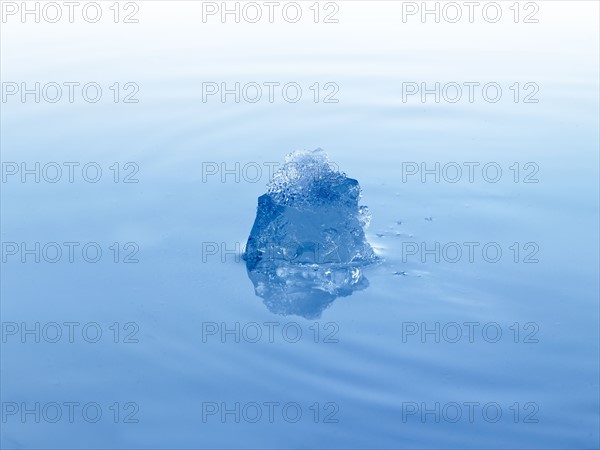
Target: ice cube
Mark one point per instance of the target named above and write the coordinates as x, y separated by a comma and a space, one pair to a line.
308, 244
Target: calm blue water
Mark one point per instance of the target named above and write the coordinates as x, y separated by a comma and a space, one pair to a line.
179, 363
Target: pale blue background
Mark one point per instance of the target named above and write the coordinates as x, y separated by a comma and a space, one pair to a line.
369, 133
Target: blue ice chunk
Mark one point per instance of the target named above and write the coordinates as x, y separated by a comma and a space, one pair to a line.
308, 244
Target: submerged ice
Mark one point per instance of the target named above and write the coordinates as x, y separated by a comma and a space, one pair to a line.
308, 244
